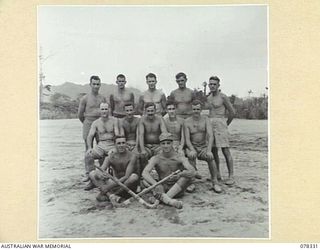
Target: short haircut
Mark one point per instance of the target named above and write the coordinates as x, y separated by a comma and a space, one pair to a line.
214, 78
181, 74
104, 103
129, 104
97, 78
171, 102
118, 137
151, 75
197, 102
121, 76
150, 104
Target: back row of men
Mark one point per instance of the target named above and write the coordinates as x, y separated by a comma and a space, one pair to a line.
133, 146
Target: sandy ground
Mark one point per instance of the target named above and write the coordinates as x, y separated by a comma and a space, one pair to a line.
67, 211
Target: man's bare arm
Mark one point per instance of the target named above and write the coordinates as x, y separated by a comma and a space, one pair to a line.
132, 98
106, 163
141, 135
163, 127
146, 172
82, 108
111, 100
189, 169
130, 168
187, 137
209, 134
229, 107
118, 130
91, 135
140, 106
163, 102
182, 141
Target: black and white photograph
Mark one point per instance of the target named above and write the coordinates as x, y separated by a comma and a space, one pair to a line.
153, 121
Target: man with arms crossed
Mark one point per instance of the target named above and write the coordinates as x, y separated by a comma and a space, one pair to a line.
120, 98
150, 128
123, 164
153, 95
89, 110
165, 163
182, 96
107, 128
197, 130
218, 103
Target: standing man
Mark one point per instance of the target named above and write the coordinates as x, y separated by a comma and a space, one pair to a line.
120, 98
183, 97
165, 163
123, 164
199, 141
218, 103
107, 128
174, 126
150, 128
153, 95
89, 109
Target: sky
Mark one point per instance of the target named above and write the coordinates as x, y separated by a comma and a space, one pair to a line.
230, 42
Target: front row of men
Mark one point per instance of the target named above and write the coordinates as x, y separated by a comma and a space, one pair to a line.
135, 147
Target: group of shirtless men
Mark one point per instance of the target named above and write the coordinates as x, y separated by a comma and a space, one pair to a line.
139, 147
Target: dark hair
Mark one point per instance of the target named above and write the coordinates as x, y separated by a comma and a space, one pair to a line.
94, 78
151, 75
181, 74
214, 78
149, 104
196, 102
129, 104
118, 137
121, 76
171, 102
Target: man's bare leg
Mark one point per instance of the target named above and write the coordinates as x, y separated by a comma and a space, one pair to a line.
213, 173
86, 177
89, 163
217, 161
229, 161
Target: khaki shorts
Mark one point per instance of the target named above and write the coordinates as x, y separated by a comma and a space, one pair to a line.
220, 132
101, 149
201, 152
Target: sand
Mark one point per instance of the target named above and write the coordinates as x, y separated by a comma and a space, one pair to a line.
67, 211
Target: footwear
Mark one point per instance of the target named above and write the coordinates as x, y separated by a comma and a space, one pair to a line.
216, 188
229, 181
102, 197
89, 186
191, 188
86, 178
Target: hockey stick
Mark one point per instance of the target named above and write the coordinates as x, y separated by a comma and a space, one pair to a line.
135, 196
148, 189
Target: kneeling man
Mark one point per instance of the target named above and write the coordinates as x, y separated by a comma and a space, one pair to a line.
165, 163
122, 162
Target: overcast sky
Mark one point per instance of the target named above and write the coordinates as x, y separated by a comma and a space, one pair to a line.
227, 41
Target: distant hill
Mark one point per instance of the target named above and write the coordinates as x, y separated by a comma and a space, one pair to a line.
73, 90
